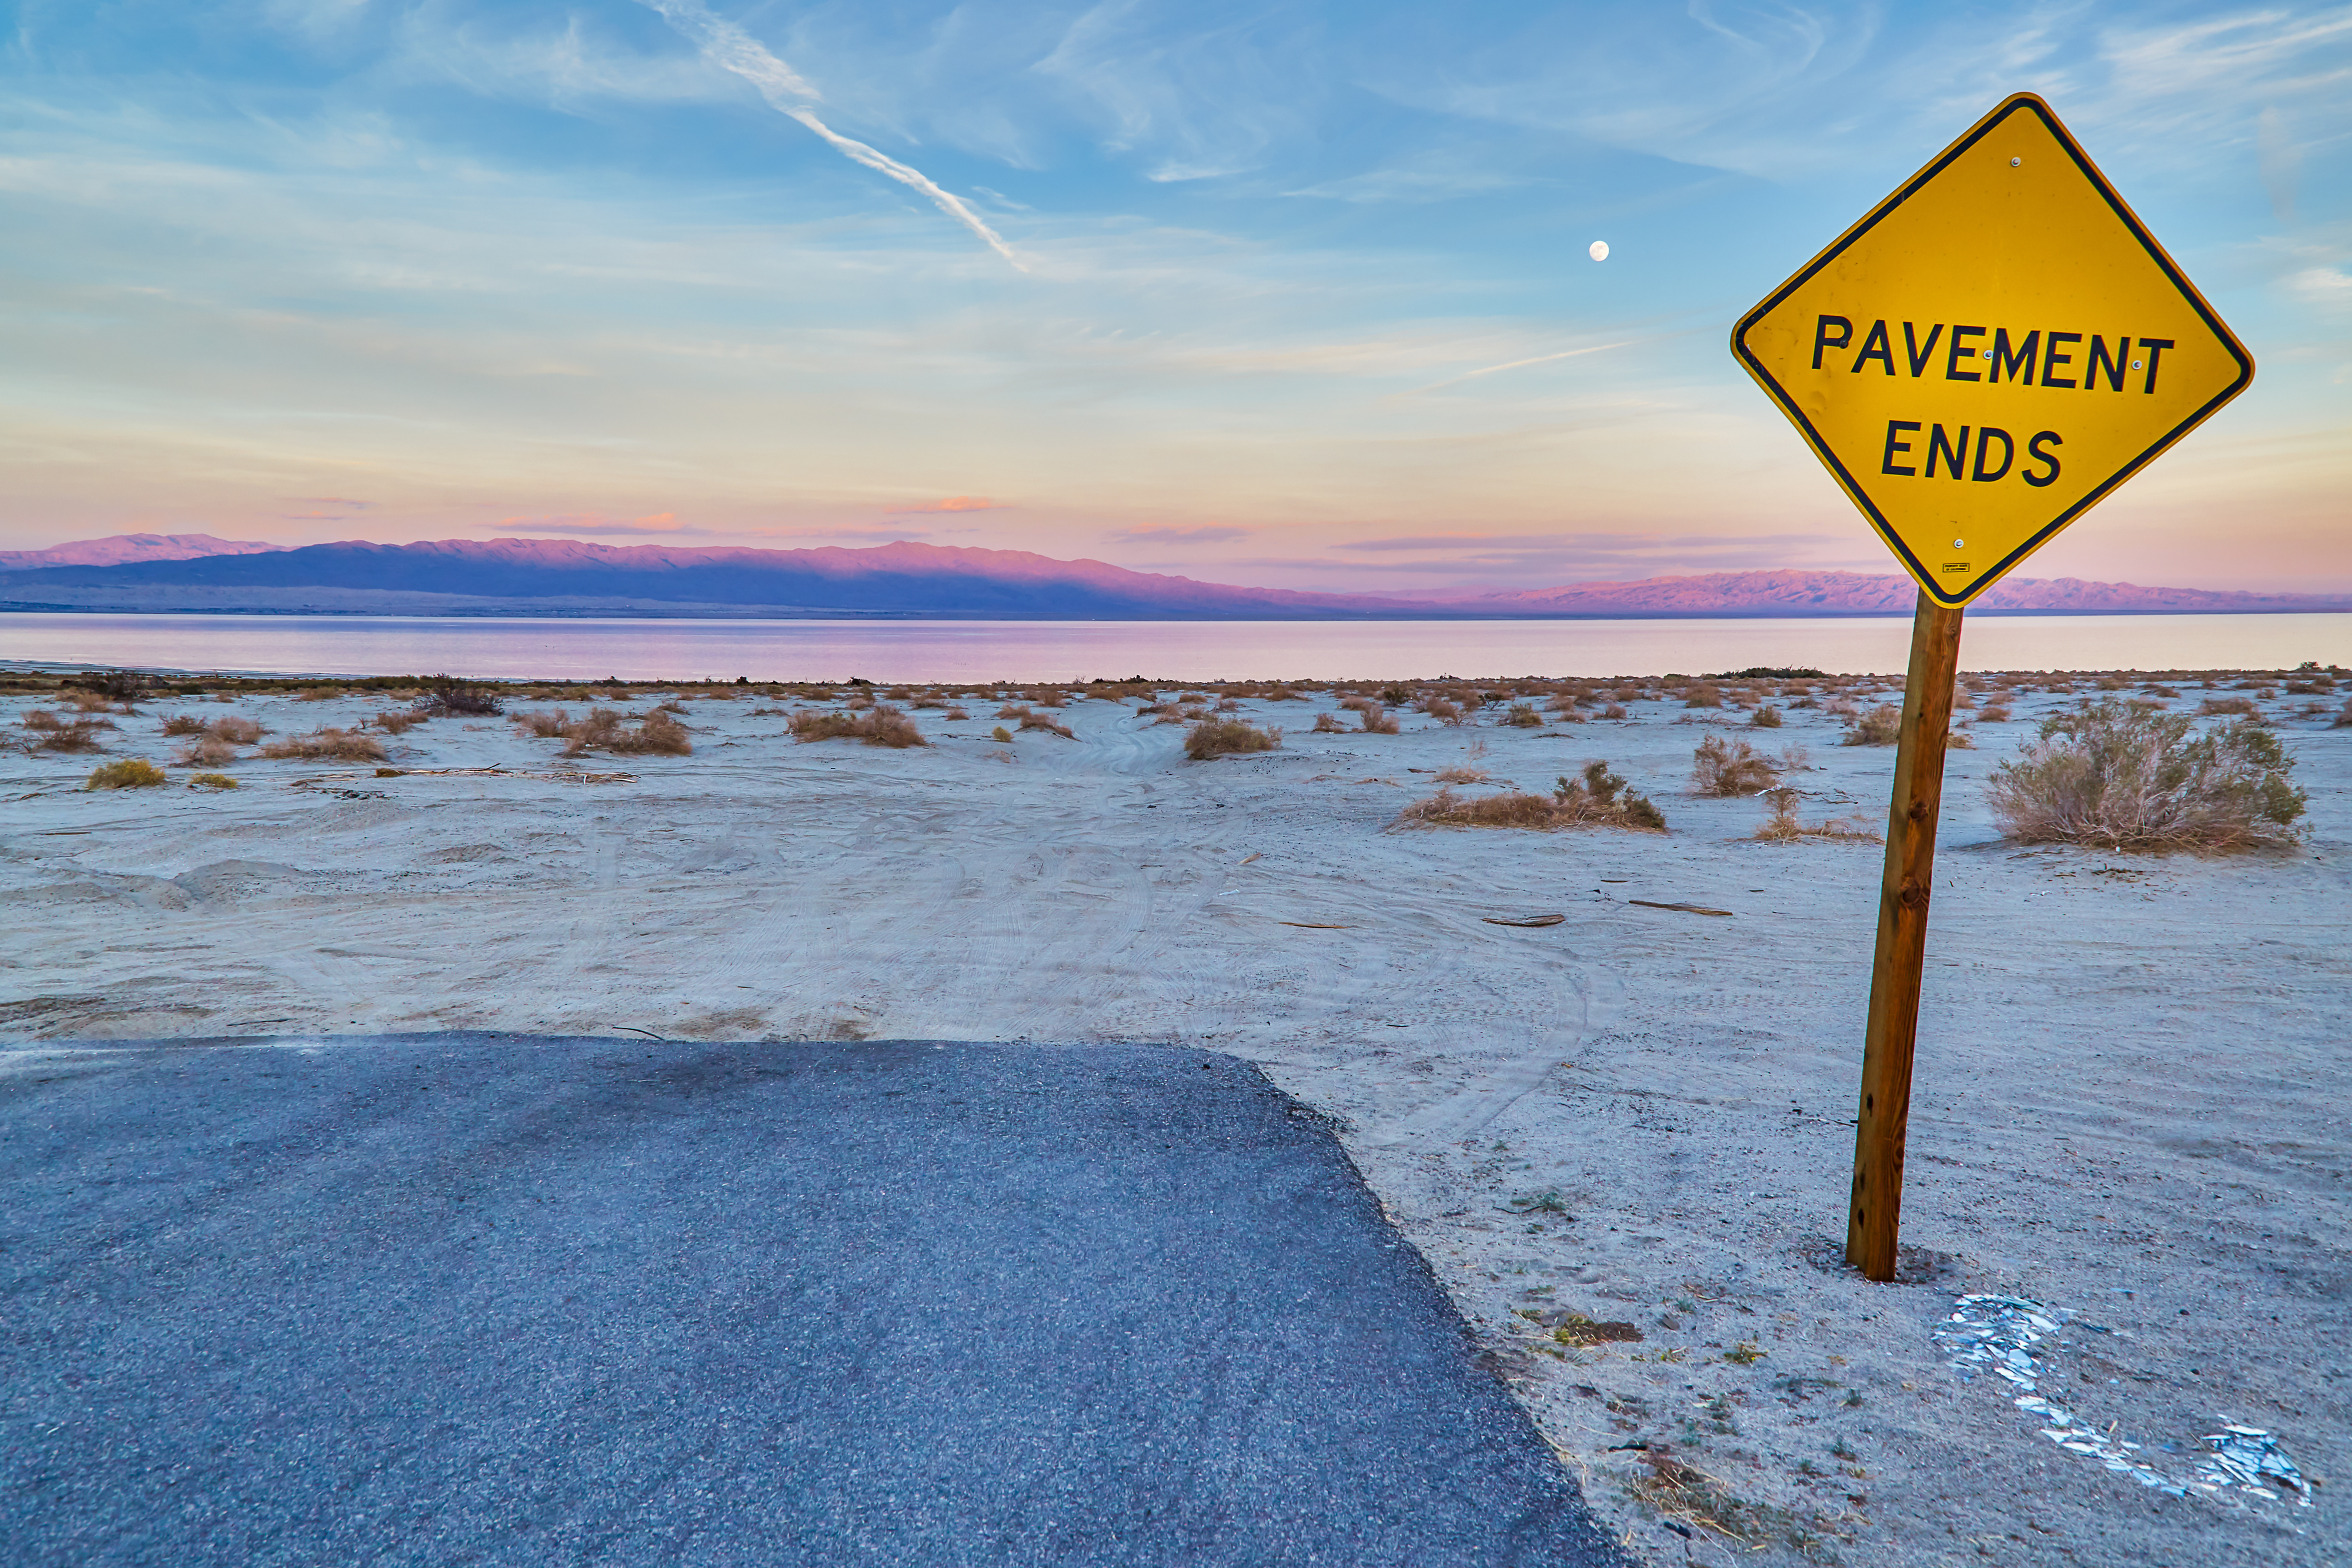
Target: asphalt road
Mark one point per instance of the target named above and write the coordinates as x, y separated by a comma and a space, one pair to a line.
467, 1299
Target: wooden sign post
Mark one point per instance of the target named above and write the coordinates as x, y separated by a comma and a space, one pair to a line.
1980, 360
1874, 1215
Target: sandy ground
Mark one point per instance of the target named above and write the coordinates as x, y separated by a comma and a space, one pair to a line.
2130, 1103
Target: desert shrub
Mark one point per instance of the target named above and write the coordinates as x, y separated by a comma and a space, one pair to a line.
1765, 718
1601, 796
1731, 767
124, 686
899, 694
880, 725
205, 751
1376, 720
1031, 719
674, 706
1781, 825
317, 694
1993, 713
131, 773
326, 745
2212, 706
548, 725
79, 736
1356, 702
42, 719
86, 702
2112, 776
1284, 694
1598, 798
2344, 719
1328, 724
1441, 709
212, 781
1000, 733
1227, 738
1513, 809
1614, 710
183, 724
449, 695
657, 735
1882, 726
234, 728
1462, 776
956, 713
1522, 715
1704, 695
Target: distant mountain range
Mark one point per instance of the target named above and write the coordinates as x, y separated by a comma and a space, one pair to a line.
116, 548
566, 578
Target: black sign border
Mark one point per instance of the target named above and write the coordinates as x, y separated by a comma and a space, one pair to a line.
2001, 113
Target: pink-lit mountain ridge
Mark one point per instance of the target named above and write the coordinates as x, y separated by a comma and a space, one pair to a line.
565, 576
116, 548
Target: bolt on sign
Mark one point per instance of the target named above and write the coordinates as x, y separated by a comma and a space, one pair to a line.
1990, 351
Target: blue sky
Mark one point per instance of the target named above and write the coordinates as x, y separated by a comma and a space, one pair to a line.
1294, 295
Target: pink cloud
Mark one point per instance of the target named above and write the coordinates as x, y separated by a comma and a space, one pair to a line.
592, 523
954, 503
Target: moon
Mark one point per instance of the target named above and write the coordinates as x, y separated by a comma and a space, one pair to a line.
1597, 250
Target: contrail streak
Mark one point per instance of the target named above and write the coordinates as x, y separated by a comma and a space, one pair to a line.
1513, 365
729, 46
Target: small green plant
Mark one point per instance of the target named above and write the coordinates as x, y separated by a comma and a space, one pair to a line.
1601, 796
1577, 1329
1523, 716
131, 773
1000, 733
212, 781
1744, 1354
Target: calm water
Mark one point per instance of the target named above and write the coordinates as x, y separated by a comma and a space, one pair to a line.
979, 651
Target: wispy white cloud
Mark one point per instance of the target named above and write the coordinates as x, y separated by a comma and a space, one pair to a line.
1518, 365
1180, 534
729, 47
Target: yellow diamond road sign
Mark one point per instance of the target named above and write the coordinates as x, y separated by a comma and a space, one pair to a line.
1990, 351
